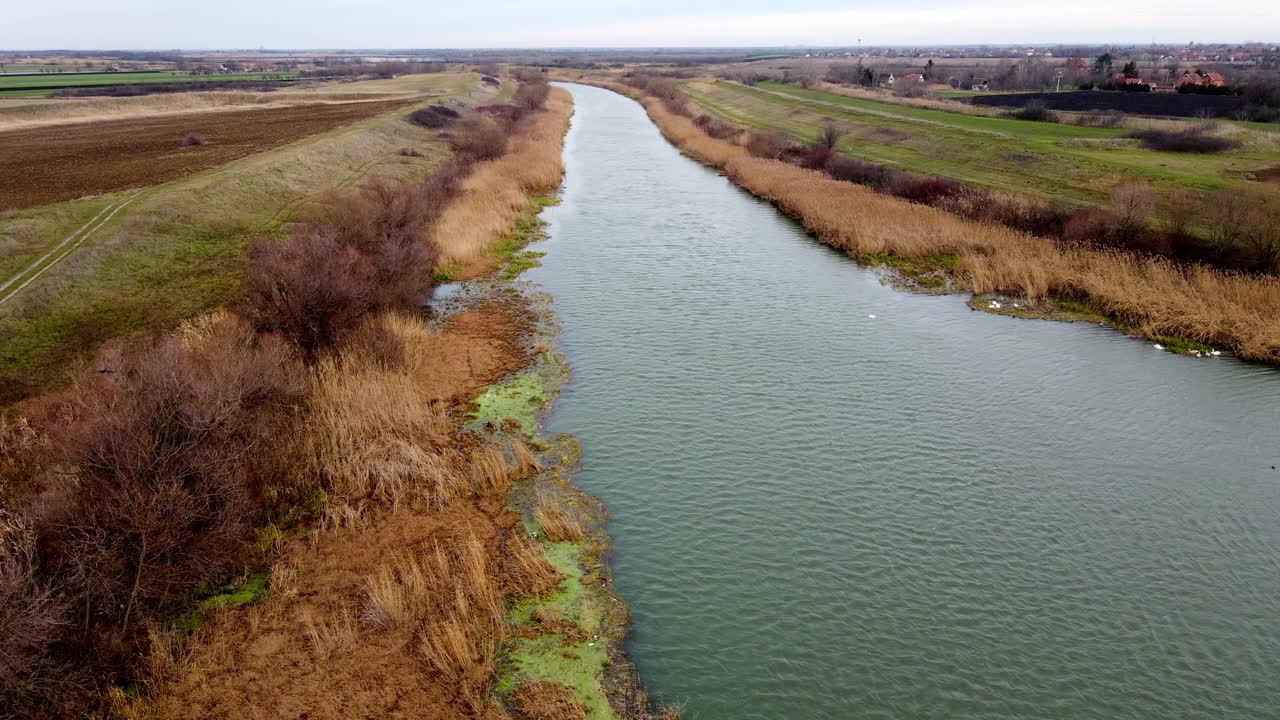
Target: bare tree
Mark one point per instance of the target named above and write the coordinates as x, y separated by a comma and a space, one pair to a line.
830, 134
1132, 202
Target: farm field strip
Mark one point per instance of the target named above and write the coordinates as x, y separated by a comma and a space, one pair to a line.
53, 164
1073, 164
178, 249
72, 80
40, 267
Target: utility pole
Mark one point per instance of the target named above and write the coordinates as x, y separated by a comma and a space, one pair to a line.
1059, 88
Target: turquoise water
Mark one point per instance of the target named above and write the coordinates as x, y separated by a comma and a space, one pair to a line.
932, 513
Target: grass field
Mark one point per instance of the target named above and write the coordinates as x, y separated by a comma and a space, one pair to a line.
21, 83
178, 248
1067, 163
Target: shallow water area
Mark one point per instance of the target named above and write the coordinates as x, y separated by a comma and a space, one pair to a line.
833, 499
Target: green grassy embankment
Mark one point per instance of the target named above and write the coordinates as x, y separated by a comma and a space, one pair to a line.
1070, 164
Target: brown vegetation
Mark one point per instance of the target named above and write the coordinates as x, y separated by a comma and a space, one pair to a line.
1152, 296
52, 164
1155, 297
557, 523
174, 466
498, 191
546, 701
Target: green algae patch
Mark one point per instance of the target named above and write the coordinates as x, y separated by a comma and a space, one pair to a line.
238, 592
929, 275
578, 659
512, 258
1056, 309
519, 398
520, 262
447, 272
1184, 345
576, 666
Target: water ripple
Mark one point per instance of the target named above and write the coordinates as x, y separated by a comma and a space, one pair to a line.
933, 513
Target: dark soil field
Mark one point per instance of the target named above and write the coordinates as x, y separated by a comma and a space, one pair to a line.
39, 166
1170, 104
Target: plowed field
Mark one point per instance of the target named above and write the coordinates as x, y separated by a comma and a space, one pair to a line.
52, 164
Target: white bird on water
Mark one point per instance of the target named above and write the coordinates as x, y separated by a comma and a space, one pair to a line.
1159, 346
873, 317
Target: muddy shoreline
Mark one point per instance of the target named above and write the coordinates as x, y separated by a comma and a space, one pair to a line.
519, 405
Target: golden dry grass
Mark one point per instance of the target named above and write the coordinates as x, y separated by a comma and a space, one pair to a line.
558, 525
376, 431
497, 191
1154, 297
691, 140
546, 701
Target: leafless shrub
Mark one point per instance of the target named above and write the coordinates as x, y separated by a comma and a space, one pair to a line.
1196, 139
34, 617
1036, 110
177, 453
434, 117
364, 254
531, 96
717, 128
830, 134
1132, 203
192, 140
480, 138
770, 145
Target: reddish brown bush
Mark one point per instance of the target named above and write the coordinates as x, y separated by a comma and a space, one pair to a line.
33, 618
923, 190
817, 157
480, 138
311, 288
873, 175
366, 252
434, 117
1189, 140
717, 128
531, 96
769, 145
178, 450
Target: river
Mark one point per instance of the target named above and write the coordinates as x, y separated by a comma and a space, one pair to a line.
833, 499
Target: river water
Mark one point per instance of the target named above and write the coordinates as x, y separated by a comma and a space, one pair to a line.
928, 513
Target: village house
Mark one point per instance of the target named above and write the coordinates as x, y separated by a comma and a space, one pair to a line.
981, 85
885, 80
1200, 79
913, 78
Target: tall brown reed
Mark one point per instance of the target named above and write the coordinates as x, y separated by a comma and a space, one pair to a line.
1152, 296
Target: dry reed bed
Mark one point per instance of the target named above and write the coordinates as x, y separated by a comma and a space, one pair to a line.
498, 191
1153, 297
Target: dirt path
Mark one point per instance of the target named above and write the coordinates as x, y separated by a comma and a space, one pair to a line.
60, 251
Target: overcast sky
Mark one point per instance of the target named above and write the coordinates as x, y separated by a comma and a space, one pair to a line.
313, 24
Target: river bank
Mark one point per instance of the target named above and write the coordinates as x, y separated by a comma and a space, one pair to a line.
318, 512
881, 503
1175, 306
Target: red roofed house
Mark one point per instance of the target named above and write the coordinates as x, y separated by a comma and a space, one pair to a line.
1200, 79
